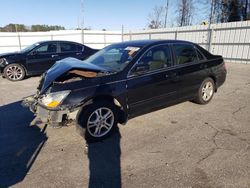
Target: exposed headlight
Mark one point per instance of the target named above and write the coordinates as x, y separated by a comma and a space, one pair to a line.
53, 100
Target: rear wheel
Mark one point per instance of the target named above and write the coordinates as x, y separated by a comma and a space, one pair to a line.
206, 91
98, 120
14, 72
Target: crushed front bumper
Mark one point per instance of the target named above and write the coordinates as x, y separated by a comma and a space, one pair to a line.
30, 102
47, 116
55, 117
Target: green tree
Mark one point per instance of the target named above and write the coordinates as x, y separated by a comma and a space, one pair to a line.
46, 28
22, 28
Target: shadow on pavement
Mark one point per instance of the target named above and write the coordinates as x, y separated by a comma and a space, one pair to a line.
20, 143
104, 162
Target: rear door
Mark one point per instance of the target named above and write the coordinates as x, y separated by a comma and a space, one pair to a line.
69, 49
190, 67
155, 87
42, 57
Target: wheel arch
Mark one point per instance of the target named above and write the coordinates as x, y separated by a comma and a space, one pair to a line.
215, 81
123, 115
24, 68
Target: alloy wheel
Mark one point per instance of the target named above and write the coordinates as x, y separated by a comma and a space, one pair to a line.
14, 72
207, 91
100, 122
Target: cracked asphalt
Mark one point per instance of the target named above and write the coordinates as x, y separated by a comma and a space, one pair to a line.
186, 145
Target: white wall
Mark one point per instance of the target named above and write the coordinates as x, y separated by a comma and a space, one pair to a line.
95, 39
232, 40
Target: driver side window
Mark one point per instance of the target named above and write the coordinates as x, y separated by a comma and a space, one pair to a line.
156, 58
47, 48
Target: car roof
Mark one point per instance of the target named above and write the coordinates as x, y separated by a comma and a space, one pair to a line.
142, 43
45, 41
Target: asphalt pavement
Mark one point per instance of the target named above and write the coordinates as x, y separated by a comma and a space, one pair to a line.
186, 145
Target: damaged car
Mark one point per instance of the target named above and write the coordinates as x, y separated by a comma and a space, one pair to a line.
125, 80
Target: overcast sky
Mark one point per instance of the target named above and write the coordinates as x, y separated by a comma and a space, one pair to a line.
98, 14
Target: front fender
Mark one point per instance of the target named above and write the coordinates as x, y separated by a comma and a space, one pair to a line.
115, 93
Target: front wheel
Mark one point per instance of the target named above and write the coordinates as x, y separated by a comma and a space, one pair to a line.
206, 91
98, 120
14, 72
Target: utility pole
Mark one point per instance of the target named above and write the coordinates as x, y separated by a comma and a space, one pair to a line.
122, 32
209, 36
16, 28
78, 23
211, 13
82, 21
166, 15
18, 36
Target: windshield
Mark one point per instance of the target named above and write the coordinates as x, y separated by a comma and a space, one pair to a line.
30, 47
114, 57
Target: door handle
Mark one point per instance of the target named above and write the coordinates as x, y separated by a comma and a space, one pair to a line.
54, 55
78, 53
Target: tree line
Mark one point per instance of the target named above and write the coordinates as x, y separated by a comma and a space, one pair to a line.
34, 28
216, 11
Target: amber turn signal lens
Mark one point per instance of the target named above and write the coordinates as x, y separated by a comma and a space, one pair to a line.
53, 104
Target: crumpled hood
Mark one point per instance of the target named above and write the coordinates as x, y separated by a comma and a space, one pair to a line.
65, 65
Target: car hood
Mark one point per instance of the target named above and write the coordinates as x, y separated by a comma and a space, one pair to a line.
10, 55
65, 65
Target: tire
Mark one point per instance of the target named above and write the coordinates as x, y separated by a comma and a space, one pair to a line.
206, 91
14, 72
93, 124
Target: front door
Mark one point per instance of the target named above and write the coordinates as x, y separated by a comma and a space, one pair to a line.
42, 58
154, 87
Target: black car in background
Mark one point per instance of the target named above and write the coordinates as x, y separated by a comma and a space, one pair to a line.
123, 81
39, 57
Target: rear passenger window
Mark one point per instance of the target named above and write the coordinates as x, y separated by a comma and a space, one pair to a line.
68, 47
80, 48
185, 53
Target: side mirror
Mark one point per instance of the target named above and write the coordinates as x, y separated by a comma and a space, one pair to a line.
33, 52
141, 69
